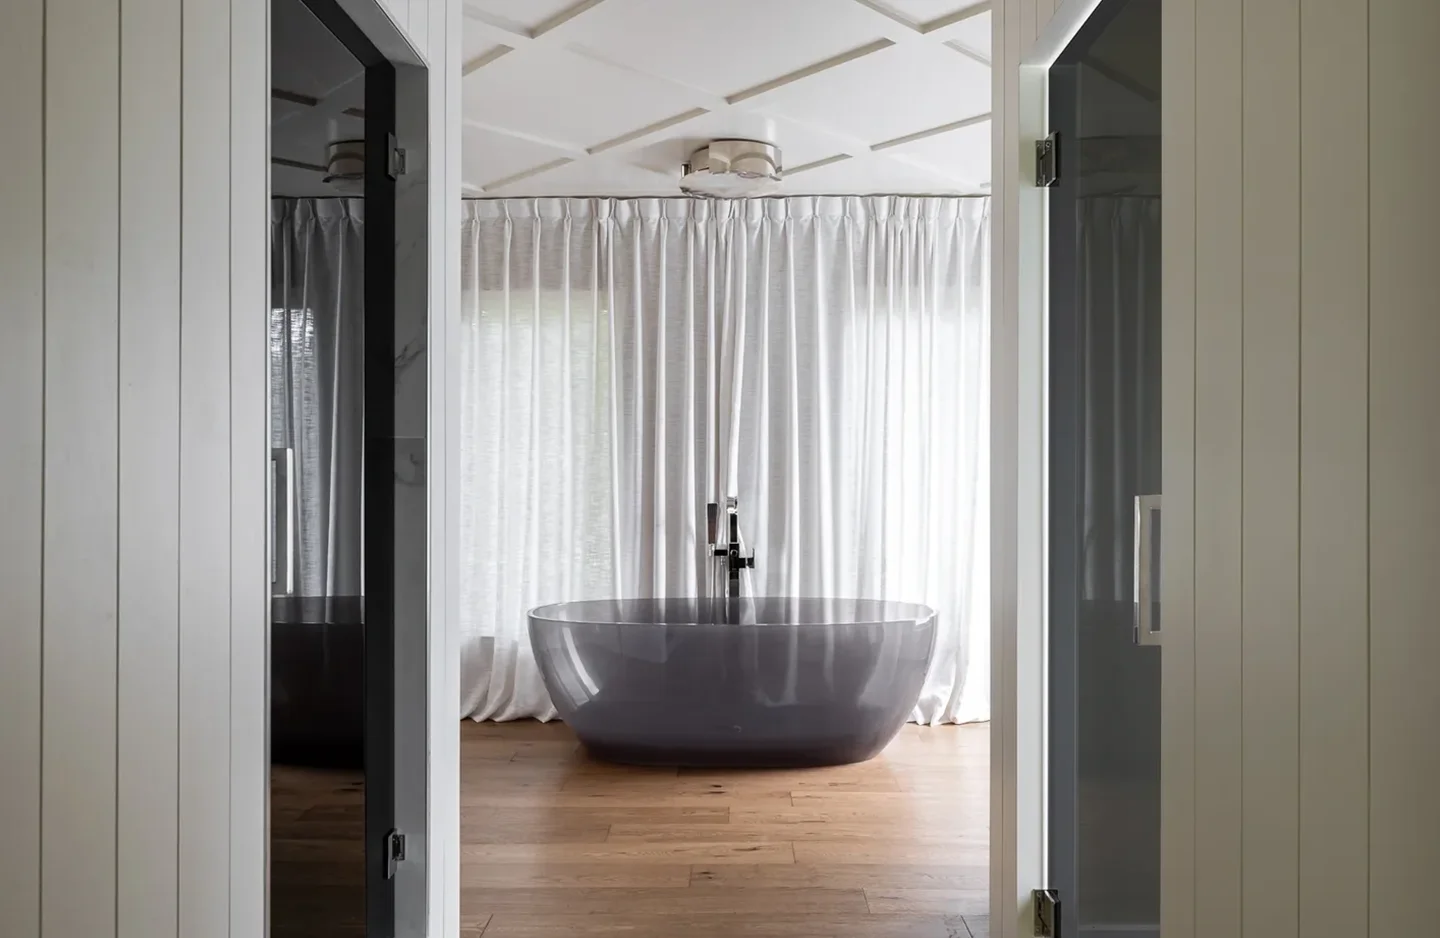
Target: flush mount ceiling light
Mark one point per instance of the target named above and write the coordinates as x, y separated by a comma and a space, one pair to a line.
345, 166
732, 169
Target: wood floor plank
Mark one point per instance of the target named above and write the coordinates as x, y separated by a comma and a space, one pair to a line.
488, 750
932, 802
512, 730
473, 926
832, 831
527, 750
313, 849
600, 813
754, 900
650, 926
877, 812
781, 784
905, 926
476, 795
893, 848
580, 875
825, 852
909, 901
497, 828
872, 776
630, 853
727, 925
302, 875
845, 875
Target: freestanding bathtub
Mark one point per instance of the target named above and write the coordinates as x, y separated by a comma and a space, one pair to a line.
771, 681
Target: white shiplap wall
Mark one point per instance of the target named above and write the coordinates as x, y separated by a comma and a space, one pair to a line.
22, 463
1302, 534
133, 453
132, 241
1404, 454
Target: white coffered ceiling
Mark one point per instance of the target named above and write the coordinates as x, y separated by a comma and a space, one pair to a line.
608, 97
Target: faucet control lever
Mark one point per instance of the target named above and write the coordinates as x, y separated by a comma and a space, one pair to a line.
733, 557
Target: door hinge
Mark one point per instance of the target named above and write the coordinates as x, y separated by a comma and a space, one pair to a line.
1047, 913
1047, 161
397, 160
394, 852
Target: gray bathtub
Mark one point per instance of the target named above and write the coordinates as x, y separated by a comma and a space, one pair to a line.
772, 681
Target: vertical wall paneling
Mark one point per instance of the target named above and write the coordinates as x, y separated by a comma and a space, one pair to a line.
1002, 706
148, 767
1219, 406
205, 486
1404, 464
249, 301
446, 26
1004, 890
1177, 586
81, 287
133, 289
1008, 903
418, 28
1334, 236
22, 388
1270, 587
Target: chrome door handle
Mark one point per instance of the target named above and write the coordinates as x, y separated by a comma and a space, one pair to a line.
1147, 628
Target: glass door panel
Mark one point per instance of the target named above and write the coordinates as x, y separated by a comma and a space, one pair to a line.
1105, 499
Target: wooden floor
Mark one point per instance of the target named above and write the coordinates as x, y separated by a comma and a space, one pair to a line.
556, 844
317, 853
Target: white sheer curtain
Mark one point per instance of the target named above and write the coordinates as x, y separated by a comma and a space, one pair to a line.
317, 377
847, 339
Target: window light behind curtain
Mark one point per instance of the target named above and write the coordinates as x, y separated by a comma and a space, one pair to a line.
849, 341
317, 380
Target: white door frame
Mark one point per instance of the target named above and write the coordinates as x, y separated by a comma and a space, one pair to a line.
1019, 739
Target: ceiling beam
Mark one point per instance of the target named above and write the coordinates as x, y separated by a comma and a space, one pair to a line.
814, 69
526, 173
959, 16
522, 35
573, 150
485, 58
565, 16
891, 14
902, 30
294, 97
298, 164
969, 53
816, 164
932, 132
1107, 71
647, 130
